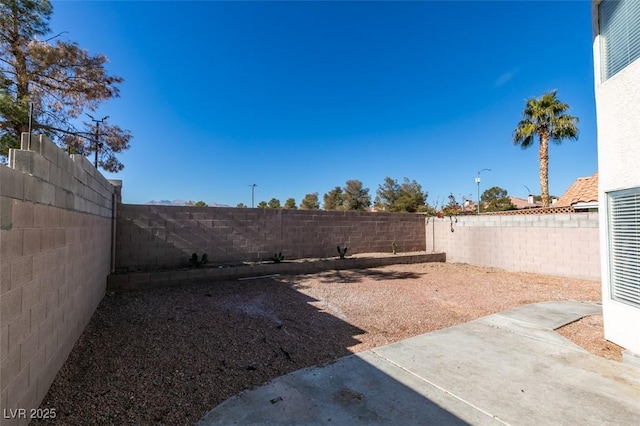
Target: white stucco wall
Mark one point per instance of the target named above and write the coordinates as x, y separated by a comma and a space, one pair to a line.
618, 121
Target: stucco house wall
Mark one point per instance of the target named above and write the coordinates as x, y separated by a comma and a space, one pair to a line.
618, 121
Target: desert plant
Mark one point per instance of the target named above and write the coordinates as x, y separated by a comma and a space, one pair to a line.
194, 262
277, 258
394, 248
342, 251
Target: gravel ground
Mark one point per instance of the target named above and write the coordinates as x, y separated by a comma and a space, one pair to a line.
589, 333
168, 356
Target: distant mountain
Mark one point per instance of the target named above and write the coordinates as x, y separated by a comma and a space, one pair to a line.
167, 203
180, 203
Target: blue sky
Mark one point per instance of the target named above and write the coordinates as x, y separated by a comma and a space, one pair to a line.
299, 97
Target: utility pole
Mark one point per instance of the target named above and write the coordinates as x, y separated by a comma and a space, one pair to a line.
95, 162
253, 186
478, 183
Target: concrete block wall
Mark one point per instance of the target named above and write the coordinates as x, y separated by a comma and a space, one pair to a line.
555, 244
168, 235
55, 255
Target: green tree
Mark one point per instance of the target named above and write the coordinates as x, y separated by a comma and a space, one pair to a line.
406, 197
61, 81
201, 204
262, 205
412, 198
310, 202
387, 195
274, 203
241, 206
290, 204
355, 196
546, 118
333, 200
496, 199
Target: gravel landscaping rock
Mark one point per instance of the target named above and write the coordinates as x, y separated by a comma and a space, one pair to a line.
168, 356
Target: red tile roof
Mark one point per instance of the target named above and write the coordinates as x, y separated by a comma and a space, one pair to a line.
583, 190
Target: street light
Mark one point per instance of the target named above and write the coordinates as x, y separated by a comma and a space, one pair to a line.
478, 183
95, 163
253, 185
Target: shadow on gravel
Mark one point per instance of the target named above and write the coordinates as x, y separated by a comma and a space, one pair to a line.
354, 276
167, 356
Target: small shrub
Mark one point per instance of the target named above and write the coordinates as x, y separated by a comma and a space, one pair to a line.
342, 251
277, 258
394, 248
195, 263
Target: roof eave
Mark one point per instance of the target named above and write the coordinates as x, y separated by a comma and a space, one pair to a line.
586, 205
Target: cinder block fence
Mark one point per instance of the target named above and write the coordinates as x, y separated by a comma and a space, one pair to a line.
564, 244
168, 235
56, 230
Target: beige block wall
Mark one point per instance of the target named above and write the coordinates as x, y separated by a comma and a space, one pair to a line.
555, 244
168, 235
55, 255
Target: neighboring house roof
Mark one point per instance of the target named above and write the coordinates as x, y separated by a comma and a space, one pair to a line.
583, 190
521, 203
582, 195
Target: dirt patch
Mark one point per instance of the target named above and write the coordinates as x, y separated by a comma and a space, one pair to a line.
168, 356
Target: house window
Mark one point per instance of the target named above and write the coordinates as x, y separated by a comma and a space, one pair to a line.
619, 34
624, 245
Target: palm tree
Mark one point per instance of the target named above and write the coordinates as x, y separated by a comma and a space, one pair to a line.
546, 118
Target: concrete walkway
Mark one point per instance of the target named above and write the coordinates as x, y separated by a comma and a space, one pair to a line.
508, 368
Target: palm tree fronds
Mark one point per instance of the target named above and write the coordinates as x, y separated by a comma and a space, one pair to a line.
545, 117
524, 133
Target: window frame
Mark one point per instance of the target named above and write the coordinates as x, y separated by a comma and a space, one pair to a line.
620, 35
624, 245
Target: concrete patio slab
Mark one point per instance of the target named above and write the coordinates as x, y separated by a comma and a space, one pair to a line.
552, 314
501, 369
358, 389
